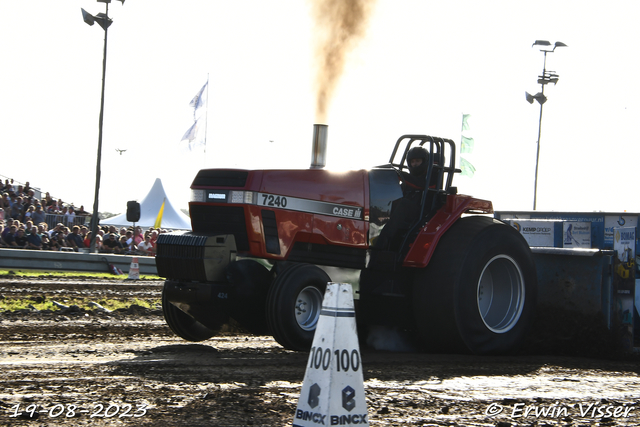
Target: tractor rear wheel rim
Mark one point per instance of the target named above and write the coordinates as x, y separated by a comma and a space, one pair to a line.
501, 290
307, 308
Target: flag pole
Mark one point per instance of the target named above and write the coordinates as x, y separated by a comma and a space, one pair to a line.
206, 120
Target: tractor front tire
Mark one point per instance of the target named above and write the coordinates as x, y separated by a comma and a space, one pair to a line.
293, 307
251, 280
183, 325
479, 291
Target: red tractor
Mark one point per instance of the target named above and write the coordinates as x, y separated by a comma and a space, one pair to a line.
457, 280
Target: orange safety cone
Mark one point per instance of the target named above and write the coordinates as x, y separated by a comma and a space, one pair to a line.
134, 270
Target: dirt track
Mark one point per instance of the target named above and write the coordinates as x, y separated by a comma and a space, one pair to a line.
74, 367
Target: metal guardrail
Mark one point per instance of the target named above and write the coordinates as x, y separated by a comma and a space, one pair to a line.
53, 219
72, 261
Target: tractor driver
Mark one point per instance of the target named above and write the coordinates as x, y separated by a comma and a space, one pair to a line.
405, 210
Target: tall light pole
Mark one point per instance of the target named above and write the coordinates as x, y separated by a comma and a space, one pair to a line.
546, 78
104, 21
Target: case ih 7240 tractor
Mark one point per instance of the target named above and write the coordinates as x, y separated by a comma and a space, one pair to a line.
456, 280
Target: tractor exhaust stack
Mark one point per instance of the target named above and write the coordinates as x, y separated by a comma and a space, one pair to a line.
319, 147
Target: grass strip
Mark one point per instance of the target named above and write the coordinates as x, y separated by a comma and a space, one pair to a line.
41, 304
69, 274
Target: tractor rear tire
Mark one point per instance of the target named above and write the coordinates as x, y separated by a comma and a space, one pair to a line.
294, 303
479, 291
183, 325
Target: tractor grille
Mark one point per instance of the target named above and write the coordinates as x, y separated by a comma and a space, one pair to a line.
220, 178
215, 220
181, 256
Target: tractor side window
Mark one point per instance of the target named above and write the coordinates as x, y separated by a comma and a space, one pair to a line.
384, 188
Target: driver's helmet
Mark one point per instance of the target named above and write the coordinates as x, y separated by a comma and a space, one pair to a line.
418, 153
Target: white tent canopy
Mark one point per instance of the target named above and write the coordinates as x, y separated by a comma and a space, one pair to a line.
149, 209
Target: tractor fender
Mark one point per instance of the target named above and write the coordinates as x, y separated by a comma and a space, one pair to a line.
424, 246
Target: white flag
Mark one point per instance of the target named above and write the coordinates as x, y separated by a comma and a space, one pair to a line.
200, 99
191, 134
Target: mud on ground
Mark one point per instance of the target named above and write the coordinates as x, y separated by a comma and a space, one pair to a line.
78, 367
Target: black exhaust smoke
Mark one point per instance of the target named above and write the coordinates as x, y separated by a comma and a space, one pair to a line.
319, 147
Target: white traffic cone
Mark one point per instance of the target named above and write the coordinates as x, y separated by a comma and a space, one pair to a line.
134, 270
333, 389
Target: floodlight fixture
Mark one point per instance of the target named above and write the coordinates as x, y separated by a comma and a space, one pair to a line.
541, 43
537, 97
87, 17
543, 80
529, 97
102, 19
546, 43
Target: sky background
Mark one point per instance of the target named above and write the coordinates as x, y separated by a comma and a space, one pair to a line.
418, 68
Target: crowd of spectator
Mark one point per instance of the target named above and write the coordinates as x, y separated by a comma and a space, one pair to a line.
131, 240
126, 241
25, 227
19, 202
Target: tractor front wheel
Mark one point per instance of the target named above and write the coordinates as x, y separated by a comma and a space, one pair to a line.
294, 303
251, 280
478, 293
183, 325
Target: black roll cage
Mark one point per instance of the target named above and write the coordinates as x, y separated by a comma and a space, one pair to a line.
437, 149
439, 175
